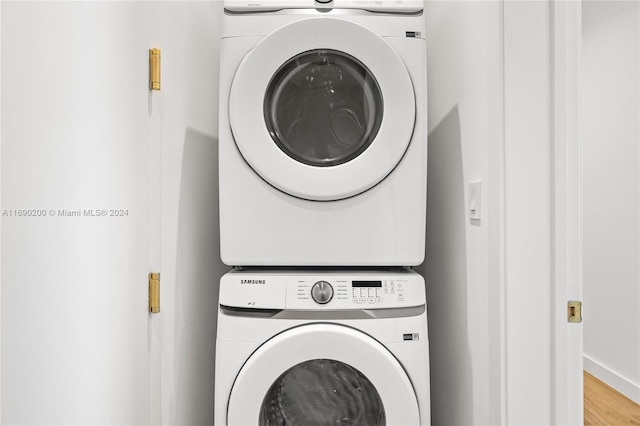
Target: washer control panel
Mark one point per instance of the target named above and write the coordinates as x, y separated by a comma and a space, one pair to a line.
343, 293
318, 290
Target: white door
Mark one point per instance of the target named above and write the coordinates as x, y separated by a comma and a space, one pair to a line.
75, 212
322, 109
322, 374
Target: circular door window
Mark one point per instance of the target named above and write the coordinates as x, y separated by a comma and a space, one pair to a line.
322, 392
323, 108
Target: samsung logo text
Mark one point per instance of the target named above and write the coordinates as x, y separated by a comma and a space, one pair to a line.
253, 281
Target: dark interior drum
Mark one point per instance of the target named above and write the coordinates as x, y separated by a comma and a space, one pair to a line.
323, 108
322, 392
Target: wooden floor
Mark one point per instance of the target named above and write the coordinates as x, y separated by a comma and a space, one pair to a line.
605, 406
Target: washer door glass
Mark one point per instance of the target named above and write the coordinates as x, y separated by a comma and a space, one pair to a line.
322, 392
323, 108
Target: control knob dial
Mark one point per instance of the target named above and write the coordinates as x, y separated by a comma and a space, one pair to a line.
322, 292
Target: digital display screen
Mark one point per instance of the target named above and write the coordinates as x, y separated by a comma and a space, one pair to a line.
366, 283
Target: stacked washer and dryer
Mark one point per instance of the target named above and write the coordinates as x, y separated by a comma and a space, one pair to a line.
323, 157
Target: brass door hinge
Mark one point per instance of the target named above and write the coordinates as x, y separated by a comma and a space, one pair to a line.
154, 69
574, 311
154, 292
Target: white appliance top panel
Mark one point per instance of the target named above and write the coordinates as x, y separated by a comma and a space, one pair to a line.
322, 290
383, 6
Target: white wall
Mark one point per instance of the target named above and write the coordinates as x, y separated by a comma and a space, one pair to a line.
611, 133
190, 258
462, 269
80, 129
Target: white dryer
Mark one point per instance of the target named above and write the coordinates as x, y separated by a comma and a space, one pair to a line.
323, 145
321, 347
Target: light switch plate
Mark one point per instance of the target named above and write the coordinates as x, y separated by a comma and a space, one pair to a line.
475, 200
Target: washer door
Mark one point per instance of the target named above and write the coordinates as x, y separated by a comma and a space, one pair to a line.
322, 109
322, 374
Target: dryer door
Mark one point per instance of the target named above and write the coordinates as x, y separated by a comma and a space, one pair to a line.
322, 109
322, 374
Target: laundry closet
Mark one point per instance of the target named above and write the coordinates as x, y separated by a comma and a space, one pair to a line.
322, 168
85, 132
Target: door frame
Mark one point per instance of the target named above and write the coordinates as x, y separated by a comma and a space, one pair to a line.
568, 392
542, 213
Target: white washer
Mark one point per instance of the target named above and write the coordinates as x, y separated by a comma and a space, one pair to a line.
322, 347
323, 152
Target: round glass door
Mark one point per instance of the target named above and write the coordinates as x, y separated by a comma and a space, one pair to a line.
323, 108
322, 392
321, 374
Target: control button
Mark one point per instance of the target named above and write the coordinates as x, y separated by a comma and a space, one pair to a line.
358, 300
322, 292
379, 300
371, 300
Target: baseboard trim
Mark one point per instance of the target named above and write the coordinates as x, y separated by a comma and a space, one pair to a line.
613, 379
